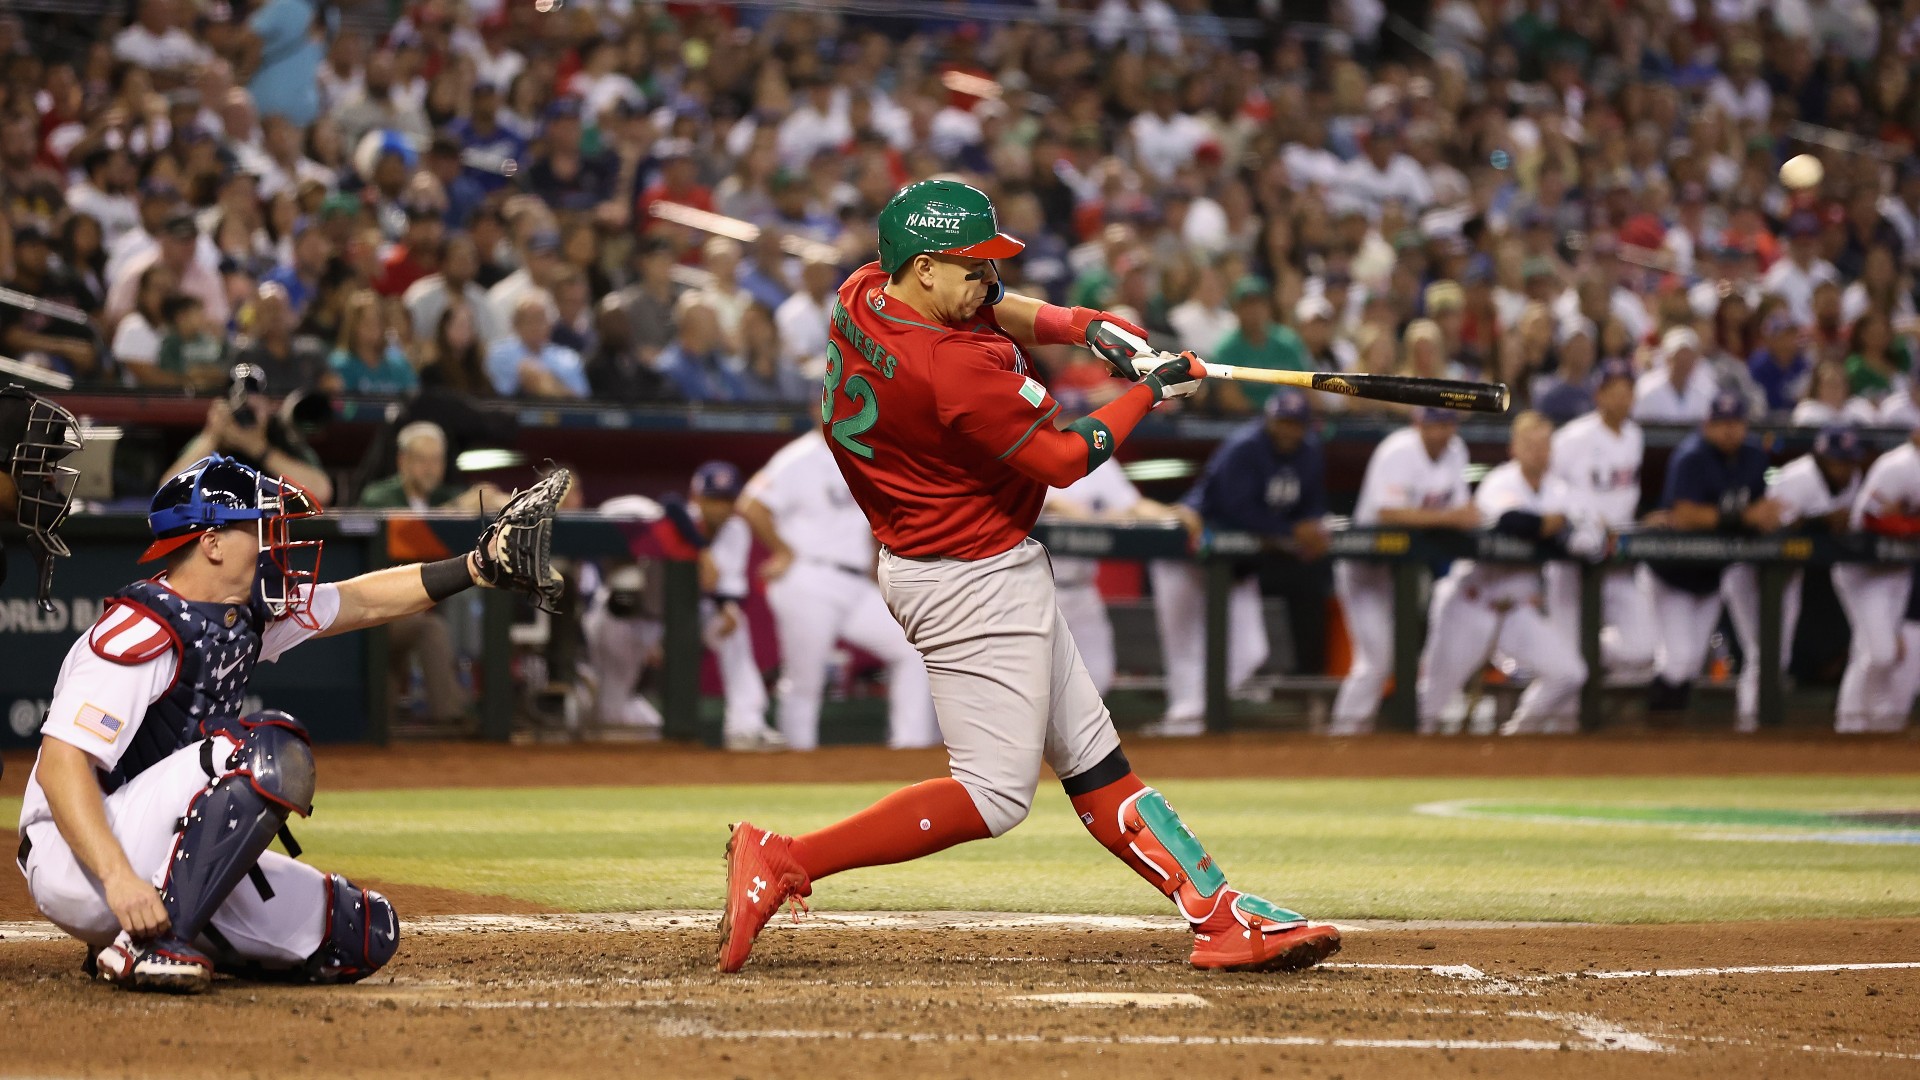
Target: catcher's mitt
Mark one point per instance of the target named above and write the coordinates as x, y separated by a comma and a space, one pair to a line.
514, 551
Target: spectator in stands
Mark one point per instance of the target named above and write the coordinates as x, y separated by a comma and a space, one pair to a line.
1255, 341
242, 424
33, 335
416, 255
456, 358
1205, 318
419, 483
176, 248
1716, 482
1794, 276
1877, 363
1830, 399
801, 319
136, 341
575, 324
539, 262
648, 304
156, 43
367, 360
192, 350
429, 298
83, 255
106, 193
698, 364
722, 294
381, 105
1678, 389
289, 44
527, 363
620, 371
286, 359
568, 178
1269, 479
1781, 365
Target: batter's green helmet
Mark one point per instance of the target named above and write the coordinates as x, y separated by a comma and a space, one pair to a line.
943, 216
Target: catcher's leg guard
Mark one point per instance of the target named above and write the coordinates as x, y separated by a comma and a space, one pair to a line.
227, 827
363, 931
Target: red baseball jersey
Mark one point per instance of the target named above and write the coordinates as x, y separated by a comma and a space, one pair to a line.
922, 419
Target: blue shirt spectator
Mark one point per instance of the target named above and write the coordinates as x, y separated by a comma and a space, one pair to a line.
698, 365
1781, 366
528, 364
487, 149
287, 81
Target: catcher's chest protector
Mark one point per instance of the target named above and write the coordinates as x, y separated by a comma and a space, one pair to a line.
216, 645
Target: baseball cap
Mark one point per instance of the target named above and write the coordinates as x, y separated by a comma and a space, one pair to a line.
1249, 286
1727, 405
716, 480
155, 187
1804, 223
181, 226
544, 242
1678, 338
565, 108
1839, 441
30, 232
1428, 414
1310, 308
1615, 368
1288, 404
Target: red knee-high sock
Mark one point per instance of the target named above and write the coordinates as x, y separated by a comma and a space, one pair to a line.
1099, 811
930, 816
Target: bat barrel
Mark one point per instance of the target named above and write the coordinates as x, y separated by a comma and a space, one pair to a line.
1429, 393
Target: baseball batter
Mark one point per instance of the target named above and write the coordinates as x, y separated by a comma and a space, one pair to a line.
1105, 494
1416, 479
949, 445
35, 489
1815, 493
1716, 482
1599, 456
1875, 595
1480, 606
819, 585
146, 821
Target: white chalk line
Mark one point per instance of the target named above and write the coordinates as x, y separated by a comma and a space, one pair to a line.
1754, 969
1805, 1048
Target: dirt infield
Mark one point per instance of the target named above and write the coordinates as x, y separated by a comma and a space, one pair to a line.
842, 1001
530, 994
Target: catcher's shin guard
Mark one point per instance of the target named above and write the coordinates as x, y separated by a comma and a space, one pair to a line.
363, 931
1159, 839
230, 824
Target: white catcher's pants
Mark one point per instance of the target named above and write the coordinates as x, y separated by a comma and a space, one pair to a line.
1462, 633
1180, 612
280, 932
1366, 599
1872, 695
815, 605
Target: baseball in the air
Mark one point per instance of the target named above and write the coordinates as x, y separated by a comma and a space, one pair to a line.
1801, 172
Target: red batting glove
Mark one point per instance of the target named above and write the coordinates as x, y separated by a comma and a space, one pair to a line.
1080, 318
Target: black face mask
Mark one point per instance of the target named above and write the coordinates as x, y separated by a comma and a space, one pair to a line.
35, 434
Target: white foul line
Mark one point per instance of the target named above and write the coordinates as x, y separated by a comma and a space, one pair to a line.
1757, 969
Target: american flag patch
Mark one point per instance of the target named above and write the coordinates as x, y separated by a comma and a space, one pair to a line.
95, 720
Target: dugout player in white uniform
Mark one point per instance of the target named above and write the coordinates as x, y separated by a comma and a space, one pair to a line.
146, 820
1716, 482
1873, 695
1105, 494
1599, 457
1480, 606
726, 544
819, 581
1269, 479
1815, 494
1417, 478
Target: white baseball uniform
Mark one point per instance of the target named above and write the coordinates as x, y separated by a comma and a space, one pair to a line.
1103, 493
1802, 491
1479, 606
1401, 476
97, 706
740, 679
1875, 598
829, 595
1601, 468
619, 646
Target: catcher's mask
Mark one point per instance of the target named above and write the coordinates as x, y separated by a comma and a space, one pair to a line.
217, 492
35, 434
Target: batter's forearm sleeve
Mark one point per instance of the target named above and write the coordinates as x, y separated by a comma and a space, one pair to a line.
1058, 458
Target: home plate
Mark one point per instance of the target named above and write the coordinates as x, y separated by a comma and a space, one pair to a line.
1112, 1000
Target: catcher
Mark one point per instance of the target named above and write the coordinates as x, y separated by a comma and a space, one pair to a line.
35, 489
146, 821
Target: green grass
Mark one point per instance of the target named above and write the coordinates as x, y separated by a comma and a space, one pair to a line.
1334, 848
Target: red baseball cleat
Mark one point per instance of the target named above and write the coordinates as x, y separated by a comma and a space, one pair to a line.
1246, 933
762, 874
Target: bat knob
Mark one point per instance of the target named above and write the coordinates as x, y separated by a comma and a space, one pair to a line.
1506, 398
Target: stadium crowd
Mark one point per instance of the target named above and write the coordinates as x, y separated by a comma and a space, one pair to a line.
650, 204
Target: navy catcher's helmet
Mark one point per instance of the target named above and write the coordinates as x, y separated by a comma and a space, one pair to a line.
217, 492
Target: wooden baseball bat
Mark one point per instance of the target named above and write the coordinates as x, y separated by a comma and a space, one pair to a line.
1122, 349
